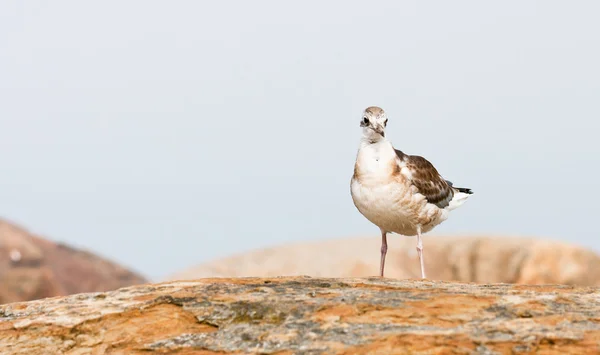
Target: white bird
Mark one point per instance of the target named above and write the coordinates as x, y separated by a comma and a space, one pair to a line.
399, 193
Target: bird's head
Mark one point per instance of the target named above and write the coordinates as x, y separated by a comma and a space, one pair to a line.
373, 122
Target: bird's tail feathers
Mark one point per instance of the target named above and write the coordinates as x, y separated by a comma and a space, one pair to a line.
461, 194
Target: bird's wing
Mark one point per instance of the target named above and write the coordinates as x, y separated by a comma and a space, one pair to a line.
424, 176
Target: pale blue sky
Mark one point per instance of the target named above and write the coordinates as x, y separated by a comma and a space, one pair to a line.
163, 134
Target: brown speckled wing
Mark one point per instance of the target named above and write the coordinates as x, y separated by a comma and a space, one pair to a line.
427, 180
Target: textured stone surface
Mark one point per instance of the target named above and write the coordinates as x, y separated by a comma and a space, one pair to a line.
305, 315
466, 259
32, 268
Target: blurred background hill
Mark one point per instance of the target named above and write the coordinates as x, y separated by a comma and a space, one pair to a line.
484, 259
32, 267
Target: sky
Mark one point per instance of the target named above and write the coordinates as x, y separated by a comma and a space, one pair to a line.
162, 135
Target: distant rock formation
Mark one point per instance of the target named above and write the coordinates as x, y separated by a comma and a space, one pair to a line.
303, 315
33, 268
464, 259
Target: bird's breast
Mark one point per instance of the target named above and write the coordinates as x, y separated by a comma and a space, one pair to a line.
388, 206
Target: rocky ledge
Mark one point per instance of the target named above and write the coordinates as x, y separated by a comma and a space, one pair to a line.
302, 315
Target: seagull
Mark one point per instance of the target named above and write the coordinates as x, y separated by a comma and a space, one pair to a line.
397, 192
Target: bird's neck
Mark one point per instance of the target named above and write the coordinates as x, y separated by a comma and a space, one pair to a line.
371, 137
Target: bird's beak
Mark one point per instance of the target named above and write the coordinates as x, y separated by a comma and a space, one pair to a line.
379, 129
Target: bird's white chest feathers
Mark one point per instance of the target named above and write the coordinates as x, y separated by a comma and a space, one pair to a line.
383, 194
376, 161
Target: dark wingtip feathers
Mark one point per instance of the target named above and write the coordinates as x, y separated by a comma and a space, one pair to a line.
465, 190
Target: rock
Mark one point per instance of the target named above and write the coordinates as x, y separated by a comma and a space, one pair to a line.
33, 268
465, 259
302, 315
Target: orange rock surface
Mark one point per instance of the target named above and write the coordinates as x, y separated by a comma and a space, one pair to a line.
303, 315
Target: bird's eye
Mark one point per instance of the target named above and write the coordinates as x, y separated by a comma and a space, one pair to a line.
365, 120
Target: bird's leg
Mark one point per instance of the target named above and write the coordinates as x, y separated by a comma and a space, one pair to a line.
383, 251
420, 251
